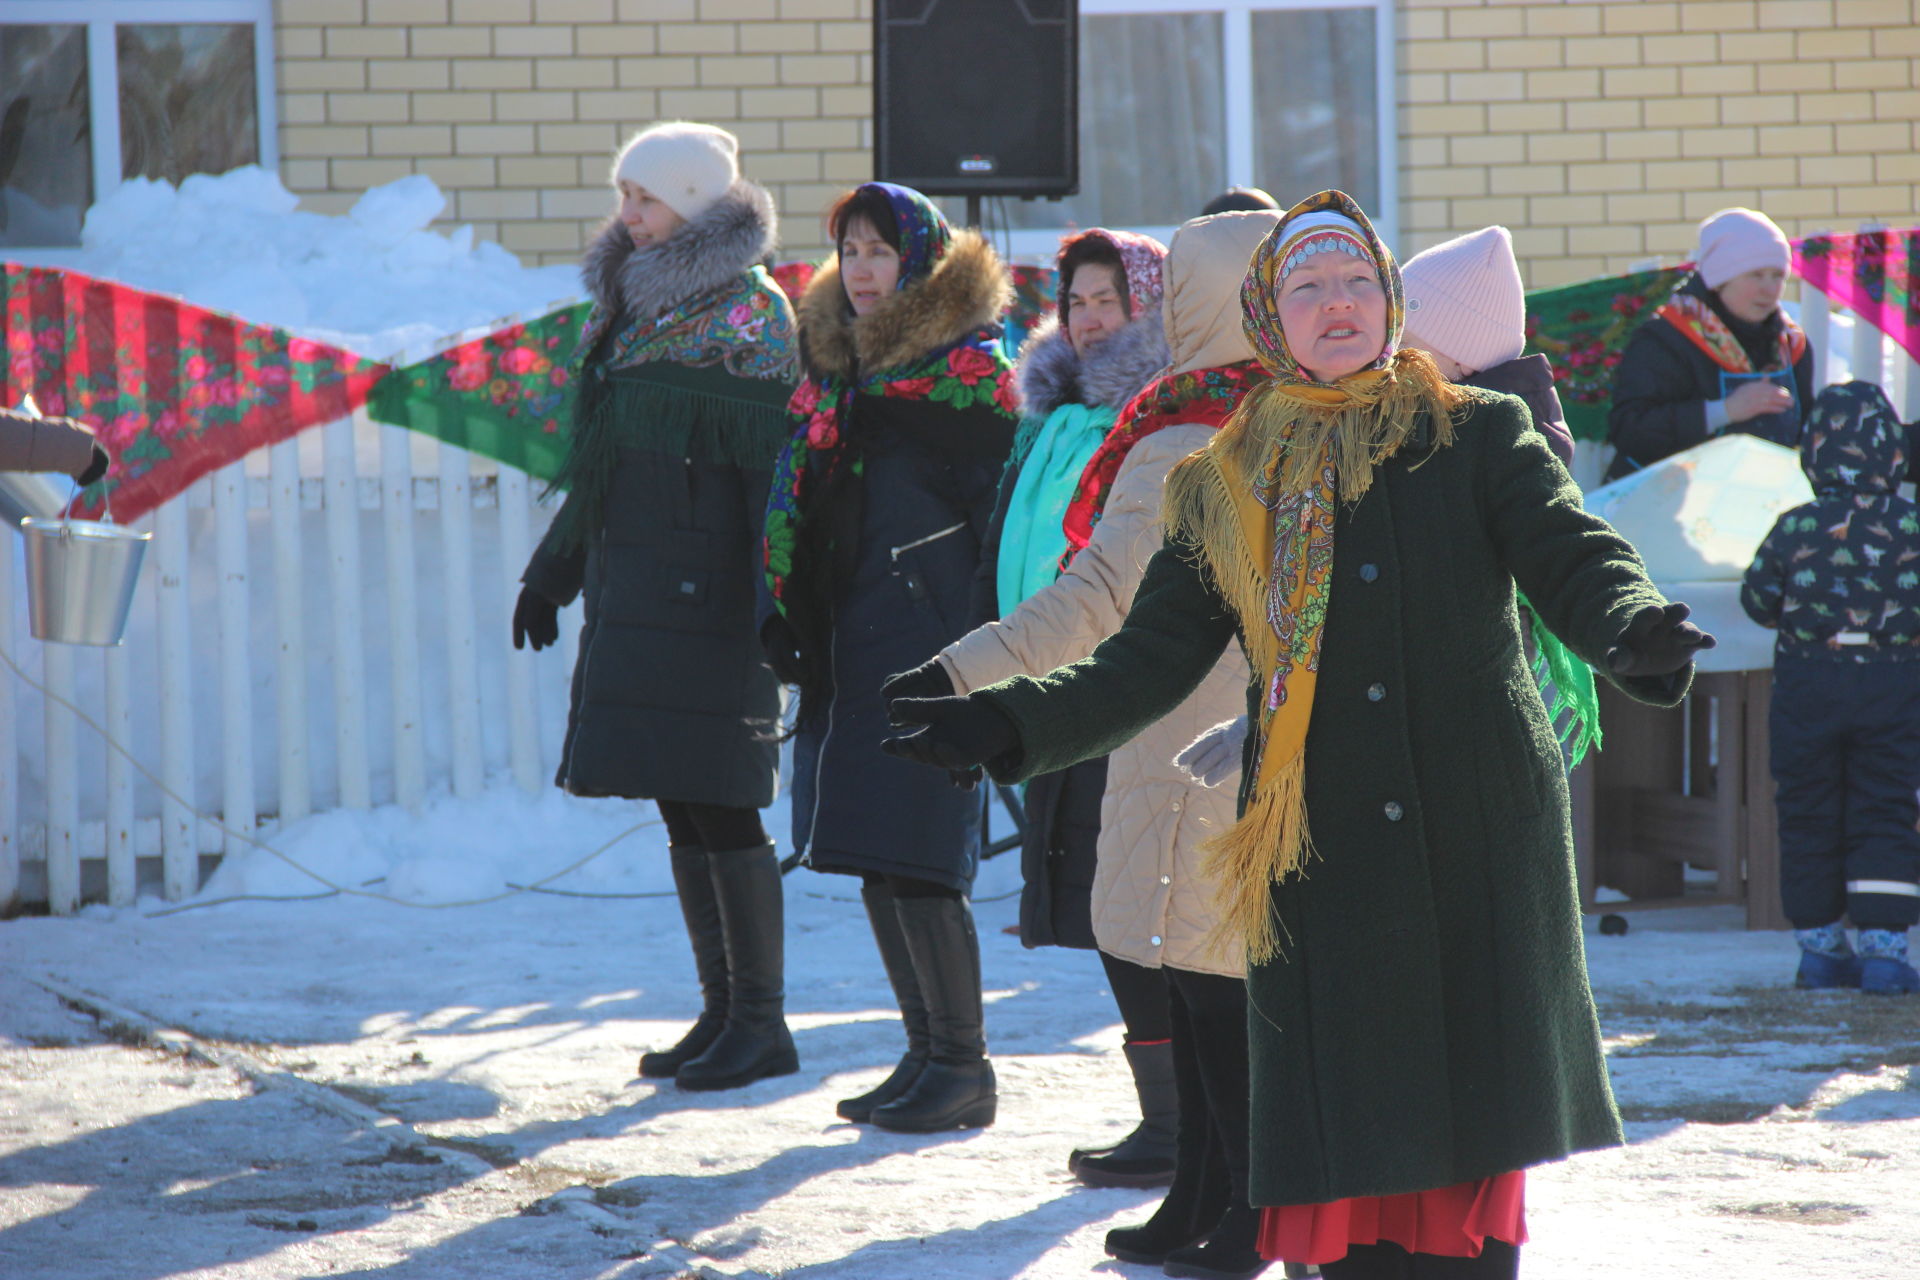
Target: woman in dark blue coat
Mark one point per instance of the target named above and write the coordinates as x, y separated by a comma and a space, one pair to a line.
873, 536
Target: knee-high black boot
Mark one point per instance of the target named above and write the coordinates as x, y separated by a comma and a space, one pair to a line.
1218, 1008
1201, 1187
955, 1090
898, 962
702, 914
755, 1042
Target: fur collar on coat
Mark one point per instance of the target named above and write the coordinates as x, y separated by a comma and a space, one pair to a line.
1052, 374
734, 233
968, 288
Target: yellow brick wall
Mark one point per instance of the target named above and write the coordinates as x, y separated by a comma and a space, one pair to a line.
515, 107
1601, 133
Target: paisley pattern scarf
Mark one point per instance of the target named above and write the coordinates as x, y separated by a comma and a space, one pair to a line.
1197, 396
970, 372
1696, 320
1258, 504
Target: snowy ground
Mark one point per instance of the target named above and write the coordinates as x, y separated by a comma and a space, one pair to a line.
1774, 1133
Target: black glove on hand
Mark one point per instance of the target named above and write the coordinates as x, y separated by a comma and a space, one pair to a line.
928, 680
96, 467
782, 648
955, 734
1657, 642
536, 620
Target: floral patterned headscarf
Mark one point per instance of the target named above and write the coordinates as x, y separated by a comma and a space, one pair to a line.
1326, 223
923, 230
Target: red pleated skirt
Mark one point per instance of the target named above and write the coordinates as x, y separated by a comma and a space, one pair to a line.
1453, 1222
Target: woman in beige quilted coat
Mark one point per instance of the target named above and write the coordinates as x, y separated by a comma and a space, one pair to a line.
1151, 905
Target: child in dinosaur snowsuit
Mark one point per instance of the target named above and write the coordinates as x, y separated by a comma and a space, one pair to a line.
1840, 578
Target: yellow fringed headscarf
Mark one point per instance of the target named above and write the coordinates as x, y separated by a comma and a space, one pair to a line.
1259, 504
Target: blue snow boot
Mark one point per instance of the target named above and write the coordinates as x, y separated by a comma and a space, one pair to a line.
1826, 961
1884, 967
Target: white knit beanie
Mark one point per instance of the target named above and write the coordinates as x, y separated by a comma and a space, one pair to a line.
687, 166
1465, 299
1735, 241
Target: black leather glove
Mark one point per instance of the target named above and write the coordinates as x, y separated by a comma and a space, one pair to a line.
928, 680
955, 734
96, 468
782, 647
1657, 642
536, 620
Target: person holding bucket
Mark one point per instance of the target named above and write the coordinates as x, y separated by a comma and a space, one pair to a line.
686, 365
29, 442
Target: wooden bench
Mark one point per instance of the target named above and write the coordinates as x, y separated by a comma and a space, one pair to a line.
1680, 789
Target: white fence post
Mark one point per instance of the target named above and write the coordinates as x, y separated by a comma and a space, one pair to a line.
122, 866
9, 744
1815, 322
63, 785
403, 614
349, 654
179, 824
290, 654
523, 715
456, 570
237, 802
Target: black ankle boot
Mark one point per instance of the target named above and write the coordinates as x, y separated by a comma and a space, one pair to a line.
1192, 1207
898, 962
702, 915
1201, 1186
755, 1043
956, 1088
1230, 1253
1145, 1157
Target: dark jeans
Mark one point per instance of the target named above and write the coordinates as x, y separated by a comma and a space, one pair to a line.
1142, 996
715, 828
1210, 1050
1845, 739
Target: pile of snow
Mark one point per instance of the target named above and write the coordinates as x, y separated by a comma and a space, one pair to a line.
374, 281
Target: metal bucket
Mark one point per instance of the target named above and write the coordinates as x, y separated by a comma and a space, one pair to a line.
80, 579
30, 493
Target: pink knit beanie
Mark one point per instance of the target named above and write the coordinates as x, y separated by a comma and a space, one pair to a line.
1734, 241
1465, 299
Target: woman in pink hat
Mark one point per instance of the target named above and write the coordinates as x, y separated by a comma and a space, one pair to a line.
1720, 356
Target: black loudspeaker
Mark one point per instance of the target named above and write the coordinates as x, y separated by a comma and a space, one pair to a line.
977, 97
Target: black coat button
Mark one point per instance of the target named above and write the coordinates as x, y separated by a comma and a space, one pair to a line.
1368, 572
1393, 811
1375, 692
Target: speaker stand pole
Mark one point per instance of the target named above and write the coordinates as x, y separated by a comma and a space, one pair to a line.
973, 212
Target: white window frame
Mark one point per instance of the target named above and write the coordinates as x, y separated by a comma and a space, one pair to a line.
1041, 243
103, 65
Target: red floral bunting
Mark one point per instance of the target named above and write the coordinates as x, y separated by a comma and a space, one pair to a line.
173, 390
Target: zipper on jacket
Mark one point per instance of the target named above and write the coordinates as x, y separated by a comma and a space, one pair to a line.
586, 654
820, 760
947, 532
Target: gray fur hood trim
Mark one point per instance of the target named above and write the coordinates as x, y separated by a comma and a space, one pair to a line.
737, 231
1049, 374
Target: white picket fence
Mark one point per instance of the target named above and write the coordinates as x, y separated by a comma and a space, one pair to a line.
326, 625
322, 625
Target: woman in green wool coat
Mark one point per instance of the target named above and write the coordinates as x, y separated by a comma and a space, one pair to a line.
1421, 1028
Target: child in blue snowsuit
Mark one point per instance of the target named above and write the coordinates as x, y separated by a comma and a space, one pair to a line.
1840, 578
